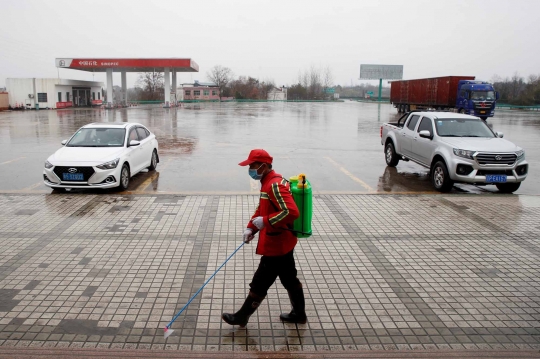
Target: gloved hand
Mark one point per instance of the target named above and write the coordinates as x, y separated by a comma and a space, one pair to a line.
258, 222
248, 235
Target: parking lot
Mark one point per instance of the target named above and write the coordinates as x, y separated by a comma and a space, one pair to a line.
102, 272
336, 144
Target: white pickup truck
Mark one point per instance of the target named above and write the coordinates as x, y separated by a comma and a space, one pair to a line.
456, 148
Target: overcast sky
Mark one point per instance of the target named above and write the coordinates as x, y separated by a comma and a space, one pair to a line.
275, 39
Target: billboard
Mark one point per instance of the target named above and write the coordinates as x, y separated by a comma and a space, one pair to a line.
376, 72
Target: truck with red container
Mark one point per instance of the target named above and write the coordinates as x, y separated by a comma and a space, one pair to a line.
462, 93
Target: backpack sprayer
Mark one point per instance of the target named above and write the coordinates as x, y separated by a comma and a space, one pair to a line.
303, 197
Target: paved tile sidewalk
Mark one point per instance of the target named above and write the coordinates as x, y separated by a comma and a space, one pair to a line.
380, 272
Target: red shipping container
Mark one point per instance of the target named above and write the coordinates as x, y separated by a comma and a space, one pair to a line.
432, 92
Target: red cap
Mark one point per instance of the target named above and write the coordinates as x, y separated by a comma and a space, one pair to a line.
257, 155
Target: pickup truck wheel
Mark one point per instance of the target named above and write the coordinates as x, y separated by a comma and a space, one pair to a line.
461, 110
508, 187
484, 118
392, 158
440, 178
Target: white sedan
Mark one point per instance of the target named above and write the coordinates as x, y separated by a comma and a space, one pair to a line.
102, 155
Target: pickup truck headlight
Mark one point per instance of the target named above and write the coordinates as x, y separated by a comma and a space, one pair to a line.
520, 155
48, 165
464, 153
109, 165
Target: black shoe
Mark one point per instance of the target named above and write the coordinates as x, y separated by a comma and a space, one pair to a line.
292, 317
241, 317
298, 312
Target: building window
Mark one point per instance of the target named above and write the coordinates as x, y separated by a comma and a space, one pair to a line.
214, 93
67, 97
206, 92
59, 97
188, 93
197, 93
42, 97
93, 95
99, 95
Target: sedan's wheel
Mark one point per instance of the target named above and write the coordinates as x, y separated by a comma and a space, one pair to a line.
153, 161
124, 178
440, 178
508, 187
391, 157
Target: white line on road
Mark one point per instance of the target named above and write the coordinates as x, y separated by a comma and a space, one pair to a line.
14, 160
350, 175
29, 188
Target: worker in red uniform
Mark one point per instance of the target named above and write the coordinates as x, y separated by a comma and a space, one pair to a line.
272, 220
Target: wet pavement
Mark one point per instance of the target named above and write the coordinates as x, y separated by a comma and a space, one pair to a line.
336, 144
390, 272
410, 272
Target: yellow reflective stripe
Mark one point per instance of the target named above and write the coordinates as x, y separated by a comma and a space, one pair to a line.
264, 195
284, 210
284, 181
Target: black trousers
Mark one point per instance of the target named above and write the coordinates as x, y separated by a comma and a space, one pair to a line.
272, 267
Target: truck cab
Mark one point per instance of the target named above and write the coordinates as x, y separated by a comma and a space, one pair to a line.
476, 98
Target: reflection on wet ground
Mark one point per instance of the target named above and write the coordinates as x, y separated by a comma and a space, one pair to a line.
336, 144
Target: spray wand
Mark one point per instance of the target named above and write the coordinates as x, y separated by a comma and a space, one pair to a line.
167, 330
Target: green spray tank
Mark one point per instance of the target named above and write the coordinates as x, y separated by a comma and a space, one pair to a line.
303, 197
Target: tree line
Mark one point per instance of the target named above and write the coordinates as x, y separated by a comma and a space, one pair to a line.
312, 82
517, 90
310, 85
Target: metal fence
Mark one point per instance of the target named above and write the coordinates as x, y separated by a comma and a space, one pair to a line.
516, 107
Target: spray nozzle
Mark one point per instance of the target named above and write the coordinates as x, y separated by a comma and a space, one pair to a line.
301, 180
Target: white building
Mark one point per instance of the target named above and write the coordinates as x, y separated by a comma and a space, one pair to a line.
277, 94
53, 93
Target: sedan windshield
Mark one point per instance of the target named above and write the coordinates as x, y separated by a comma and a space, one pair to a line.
98, 137
483, 95
462, 127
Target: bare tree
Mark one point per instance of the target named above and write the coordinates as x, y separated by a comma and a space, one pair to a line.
328, 77
496, 78
315, 85
221, 76
152, 84
267, 86
517, 84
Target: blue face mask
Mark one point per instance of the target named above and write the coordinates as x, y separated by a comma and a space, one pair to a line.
253, 173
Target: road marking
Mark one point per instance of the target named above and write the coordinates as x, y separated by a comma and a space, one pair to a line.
143, 186
19, 191
16, 159
350, 175
29, 188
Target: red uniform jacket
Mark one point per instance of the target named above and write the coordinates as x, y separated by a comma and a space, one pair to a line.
278, 210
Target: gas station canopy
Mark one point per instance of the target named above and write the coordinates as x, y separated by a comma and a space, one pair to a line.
128, 65
167, 66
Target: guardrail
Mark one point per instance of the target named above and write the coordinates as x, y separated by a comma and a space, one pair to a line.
141, 102
383, 100
516, 107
